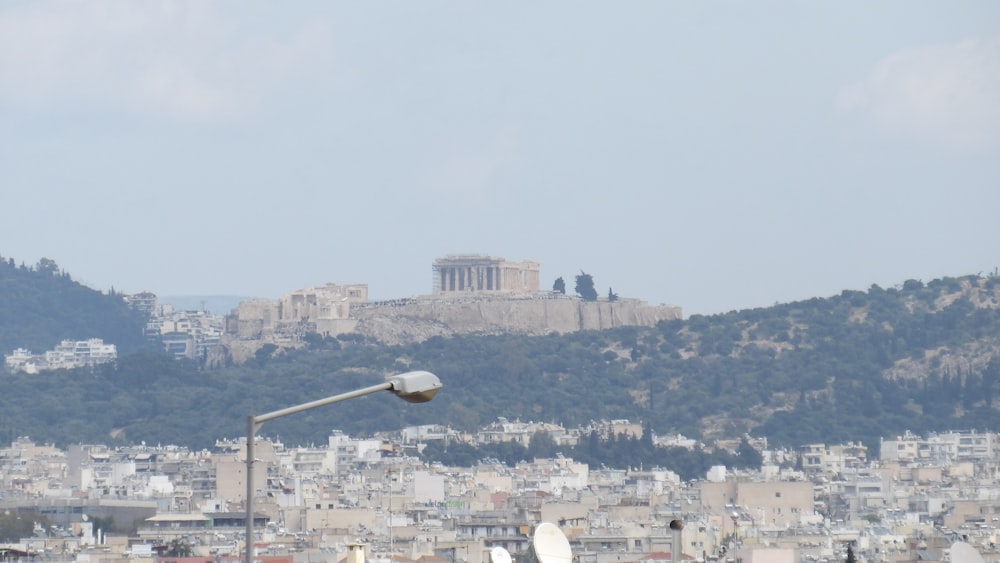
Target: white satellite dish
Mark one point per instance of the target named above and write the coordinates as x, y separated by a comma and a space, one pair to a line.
965, 553
551, 545
500, 555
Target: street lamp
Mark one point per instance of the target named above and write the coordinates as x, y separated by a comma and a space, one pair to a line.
412, 387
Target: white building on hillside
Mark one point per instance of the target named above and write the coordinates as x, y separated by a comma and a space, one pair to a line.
66, 355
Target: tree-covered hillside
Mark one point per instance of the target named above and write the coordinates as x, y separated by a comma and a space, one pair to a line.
41, 305
857, 366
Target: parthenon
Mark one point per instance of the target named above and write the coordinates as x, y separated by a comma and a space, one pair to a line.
475, 273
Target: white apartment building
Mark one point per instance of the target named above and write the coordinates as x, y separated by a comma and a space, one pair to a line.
952, 446
66, 355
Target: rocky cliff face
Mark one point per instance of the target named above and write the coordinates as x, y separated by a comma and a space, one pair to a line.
419, 319
416, 320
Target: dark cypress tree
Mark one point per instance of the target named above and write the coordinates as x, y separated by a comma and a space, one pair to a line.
559, 286
585, 286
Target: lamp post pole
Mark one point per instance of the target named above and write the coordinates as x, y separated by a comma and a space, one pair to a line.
734, 513
413, 387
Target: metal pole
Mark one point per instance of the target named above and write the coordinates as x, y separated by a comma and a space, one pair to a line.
251, 430
736, 536
676, 527
262, 418
390, 513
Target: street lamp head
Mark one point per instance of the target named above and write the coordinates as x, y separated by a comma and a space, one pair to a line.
415, 386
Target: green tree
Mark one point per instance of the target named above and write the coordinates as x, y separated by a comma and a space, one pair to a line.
585, 286
850, 555
47, 266
178, 547
541, 445
15, 525
748, 456
612, 296
559, 286
105, 524
264, 353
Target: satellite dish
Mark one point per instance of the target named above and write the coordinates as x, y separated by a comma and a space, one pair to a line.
551, 545
500, 555
965, 553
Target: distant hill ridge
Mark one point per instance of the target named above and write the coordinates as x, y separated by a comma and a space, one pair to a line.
42, 305
856, 366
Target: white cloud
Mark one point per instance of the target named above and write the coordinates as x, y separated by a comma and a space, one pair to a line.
170, 59
945, 94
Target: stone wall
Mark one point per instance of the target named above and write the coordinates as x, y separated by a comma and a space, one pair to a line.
419, 319
404, 321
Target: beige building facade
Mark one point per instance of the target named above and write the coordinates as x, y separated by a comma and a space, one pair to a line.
325, 310
759, 503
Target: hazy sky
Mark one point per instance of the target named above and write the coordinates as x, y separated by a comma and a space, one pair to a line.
711, 155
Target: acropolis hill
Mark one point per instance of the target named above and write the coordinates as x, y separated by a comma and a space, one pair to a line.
472, 294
